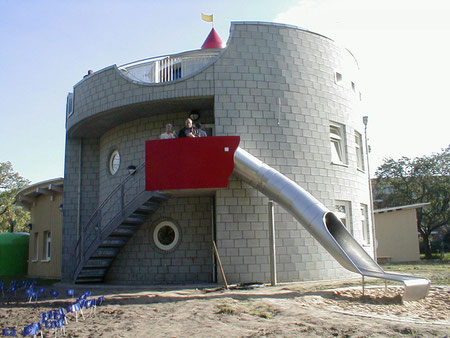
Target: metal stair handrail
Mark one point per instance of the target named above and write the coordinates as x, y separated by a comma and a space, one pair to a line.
114, 204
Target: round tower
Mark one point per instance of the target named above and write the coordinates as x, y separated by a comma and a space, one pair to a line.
293, 98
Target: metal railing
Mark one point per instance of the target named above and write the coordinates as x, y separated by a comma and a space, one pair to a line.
107, 214
168, 67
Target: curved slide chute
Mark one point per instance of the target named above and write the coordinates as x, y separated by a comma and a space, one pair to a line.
321, 223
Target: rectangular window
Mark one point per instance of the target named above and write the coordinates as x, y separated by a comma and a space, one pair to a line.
338, 144
343, 211
36, 246
338, 77
365, 224
359, 151
47, 246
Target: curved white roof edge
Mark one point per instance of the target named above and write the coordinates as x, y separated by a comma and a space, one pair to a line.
402, 207
32, 187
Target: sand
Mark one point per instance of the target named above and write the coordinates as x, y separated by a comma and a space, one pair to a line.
290, 310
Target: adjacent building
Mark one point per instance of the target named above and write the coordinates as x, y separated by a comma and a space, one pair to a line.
397, 234
44, 201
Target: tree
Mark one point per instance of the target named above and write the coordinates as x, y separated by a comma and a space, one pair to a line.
417, 180
10, 184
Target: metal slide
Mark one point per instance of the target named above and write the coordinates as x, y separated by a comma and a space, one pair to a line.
321, 223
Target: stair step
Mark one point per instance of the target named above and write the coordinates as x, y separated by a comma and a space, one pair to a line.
147, 207
89, 280
105, 253
114, 242
89, 273
158, 198
142, 214
133, 220
98, 263
124, 230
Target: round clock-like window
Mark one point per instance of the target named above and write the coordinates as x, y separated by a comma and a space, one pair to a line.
166, 235
114, 162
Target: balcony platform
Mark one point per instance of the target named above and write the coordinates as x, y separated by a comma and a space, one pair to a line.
188, 164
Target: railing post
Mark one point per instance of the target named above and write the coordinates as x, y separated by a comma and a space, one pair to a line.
81, 246
122, 197
99, 226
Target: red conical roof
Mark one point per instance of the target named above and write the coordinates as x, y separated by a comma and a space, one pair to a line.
213, 40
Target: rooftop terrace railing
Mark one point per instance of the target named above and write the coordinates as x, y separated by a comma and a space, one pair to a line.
168, 67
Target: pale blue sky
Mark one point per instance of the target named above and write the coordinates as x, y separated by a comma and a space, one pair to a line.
47, 46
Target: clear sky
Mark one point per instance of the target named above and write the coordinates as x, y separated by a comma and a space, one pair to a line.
47, 46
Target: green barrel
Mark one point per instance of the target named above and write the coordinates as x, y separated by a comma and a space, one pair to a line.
14, 253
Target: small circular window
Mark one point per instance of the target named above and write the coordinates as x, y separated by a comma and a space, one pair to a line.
114, 162
166, 235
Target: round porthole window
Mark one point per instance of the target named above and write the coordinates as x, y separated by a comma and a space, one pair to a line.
166, 235
114, 162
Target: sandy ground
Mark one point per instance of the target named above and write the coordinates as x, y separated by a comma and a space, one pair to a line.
290, 310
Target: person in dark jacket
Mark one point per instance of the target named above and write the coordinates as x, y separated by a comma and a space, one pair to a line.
189, 130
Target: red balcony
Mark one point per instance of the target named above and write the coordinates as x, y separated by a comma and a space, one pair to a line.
189, 163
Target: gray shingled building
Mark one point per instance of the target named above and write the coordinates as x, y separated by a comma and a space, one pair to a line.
291, 95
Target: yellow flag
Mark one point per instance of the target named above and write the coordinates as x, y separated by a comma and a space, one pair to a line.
207, 18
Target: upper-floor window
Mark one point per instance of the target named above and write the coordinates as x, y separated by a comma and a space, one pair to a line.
343, 211
338, 144
359, 151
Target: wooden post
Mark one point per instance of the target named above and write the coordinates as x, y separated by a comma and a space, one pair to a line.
216, 252
363, 285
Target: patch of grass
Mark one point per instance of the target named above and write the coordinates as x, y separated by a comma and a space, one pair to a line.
437, 256
262, 314
227, 310
260, 310
435, 270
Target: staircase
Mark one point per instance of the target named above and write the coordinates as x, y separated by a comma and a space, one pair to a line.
110, 227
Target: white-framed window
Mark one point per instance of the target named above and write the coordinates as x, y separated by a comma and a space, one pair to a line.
114, 162
338, 144
47, 246
338, 77
365, 223
359, 151
36, 247
344, 212
166, 235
